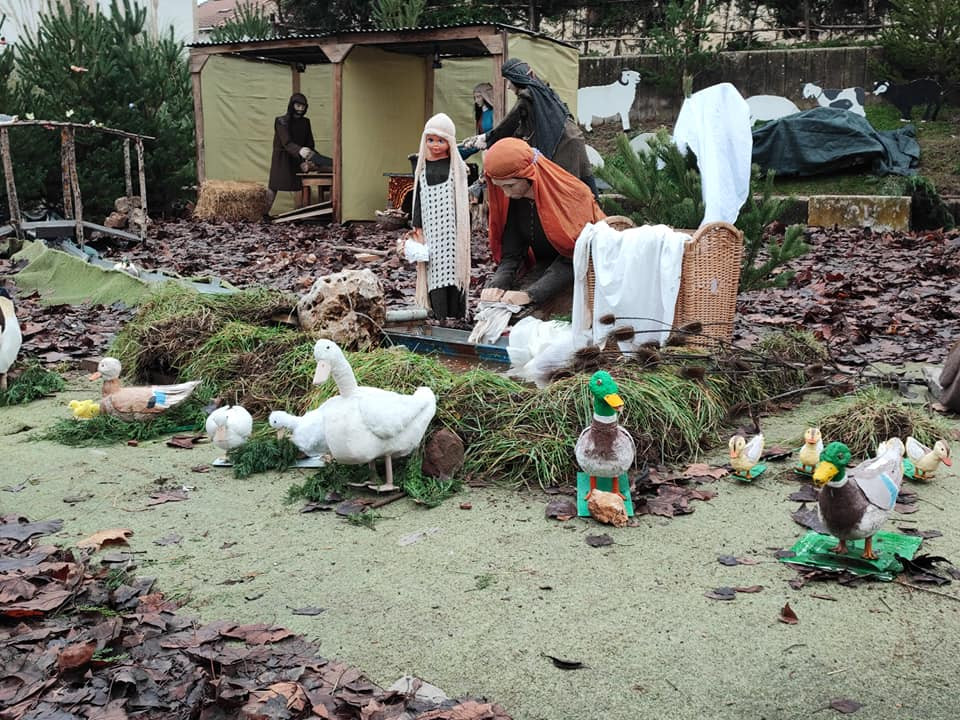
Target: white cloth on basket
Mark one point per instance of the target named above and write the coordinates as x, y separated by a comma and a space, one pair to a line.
715, 124
637, 279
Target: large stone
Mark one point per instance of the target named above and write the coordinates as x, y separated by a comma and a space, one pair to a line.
443, 454
346, 307
877, 212
607, 507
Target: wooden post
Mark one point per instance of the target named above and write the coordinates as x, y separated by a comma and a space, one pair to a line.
65, 183
337, 193
428, 80
143, 188
127, 178
197, 61
75, 182
294, 78
12, 202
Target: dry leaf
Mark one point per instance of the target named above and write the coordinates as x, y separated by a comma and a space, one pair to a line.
75, 656
845, 705
721, 593
113, 536
749, 589
788, 616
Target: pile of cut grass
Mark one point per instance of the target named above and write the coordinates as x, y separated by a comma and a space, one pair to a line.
33, 383
873, 415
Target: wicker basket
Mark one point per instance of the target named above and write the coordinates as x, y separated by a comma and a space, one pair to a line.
708, 282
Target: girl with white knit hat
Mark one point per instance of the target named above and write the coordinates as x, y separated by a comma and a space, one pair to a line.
441, 222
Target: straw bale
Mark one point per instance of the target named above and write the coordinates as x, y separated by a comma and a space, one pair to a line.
230, 200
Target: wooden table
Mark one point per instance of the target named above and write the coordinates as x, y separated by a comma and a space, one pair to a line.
323, 182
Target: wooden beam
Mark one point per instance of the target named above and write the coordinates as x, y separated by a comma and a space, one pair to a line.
336, 52
493, 43
337, 193
428, 80
197, 62
198, 126
47, 124
294, 78
143, 189
65, 183
12, 202
75, 184
127, 178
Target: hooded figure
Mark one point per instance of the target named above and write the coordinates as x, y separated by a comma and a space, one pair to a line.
441, 220
542, 119
292, 145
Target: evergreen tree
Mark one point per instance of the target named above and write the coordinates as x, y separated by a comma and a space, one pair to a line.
249, 22
328, 16
86, 66
923, 40
390, 14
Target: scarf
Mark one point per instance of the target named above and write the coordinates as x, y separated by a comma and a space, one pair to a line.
549, 111
442, 126
563, 202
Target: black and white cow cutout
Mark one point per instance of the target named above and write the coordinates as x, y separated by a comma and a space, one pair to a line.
850, 98
909, 95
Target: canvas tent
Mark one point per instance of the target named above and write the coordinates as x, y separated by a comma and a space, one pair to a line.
370, 93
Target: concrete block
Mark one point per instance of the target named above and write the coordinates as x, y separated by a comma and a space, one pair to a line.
877, 212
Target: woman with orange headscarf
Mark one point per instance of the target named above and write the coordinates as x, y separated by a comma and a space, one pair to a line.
537, 211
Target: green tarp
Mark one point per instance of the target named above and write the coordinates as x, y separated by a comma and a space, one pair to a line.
825, 140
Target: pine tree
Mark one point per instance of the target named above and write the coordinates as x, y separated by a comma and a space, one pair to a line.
391, 14
923, 40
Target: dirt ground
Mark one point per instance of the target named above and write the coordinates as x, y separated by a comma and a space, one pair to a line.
474, 604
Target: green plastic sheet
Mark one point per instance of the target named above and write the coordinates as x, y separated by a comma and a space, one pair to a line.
813, 550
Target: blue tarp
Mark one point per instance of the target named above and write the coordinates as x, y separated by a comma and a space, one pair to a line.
825, 140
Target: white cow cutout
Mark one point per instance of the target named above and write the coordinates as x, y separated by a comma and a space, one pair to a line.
769, 107
850, 98
595, 158
605, 101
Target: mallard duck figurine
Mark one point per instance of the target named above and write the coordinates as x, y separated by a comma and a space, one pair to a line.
604, 449
10, 337
136, 403
855, 504
307, 431
926, 460
228, 427
370, 423
84, 409
744, 455
809, 454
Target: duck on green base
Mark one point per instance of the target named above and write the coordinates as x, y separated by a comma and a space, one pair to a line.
604, 449
855, 504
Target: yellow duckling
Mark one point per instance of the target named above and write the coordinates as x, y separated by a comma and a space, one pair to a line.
809, 454
745, 455
927, 460
84, 409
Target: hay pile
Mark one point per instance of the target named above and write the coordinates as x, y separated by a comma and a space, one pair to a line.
229, 200
511, 431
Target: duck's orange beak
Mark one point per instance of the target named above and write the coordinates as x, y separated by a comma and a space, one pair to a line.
947, 461
94, 376
824, 473
614, 401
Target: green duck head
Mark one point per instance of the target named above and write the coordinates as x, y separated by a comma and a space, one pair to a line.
606, 401
833, 464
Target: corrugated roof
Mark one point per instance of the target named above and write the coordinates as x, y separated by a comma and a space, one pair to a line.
373, 31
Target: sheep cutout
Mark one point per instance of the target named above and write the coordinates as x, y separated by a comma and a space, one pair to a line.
850, 98
769, 107
605, 101
917, 92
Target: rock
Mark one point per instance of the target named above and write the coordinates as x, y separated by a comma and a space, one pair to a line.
116, 220
126, 204
347, 307
607, 507
443, 454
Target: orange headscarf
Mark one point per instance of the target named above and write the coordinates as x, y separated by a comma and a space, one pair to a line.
564, 203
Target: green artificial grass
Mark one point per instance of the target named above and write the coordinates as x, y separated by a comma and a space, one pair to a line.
264, 451
33, 383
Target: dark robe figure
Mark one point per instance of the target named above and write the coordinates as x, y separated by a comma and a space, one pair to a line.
950, 380
292, 146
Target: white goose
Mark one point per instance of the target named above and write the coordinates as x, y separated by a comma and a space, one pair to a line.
307, 431
10, 336
229, 427
369, 423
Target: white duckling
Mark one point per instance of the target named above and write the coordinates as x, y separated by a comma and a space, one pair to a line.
229, 427
307, 431
10, 337
370, 423
927, 460
744, 455
136, 403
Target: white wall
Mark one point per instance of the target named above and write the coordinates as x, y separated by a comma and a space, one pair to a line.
22, 16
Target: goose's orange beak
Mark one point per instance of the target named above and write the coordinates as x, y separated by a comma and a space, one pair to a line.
94, 376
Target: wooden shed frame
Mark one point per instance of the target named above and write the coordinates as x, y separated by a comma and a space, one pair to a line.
429, 43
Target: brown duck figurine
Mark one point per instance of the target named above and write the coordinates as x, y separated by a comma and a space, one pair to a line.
137, 403
855, 504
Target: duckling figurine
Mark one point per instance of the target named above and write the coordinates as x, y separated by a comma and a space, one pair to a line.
855, 504
228, 427
10, 337
809, 454
745, 456
84, 409
367, 422
137, 403
605, 449
924, 460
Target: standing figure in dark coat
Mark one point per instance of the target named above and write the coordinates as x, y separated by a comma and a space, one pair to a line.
543, 120
292, 148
